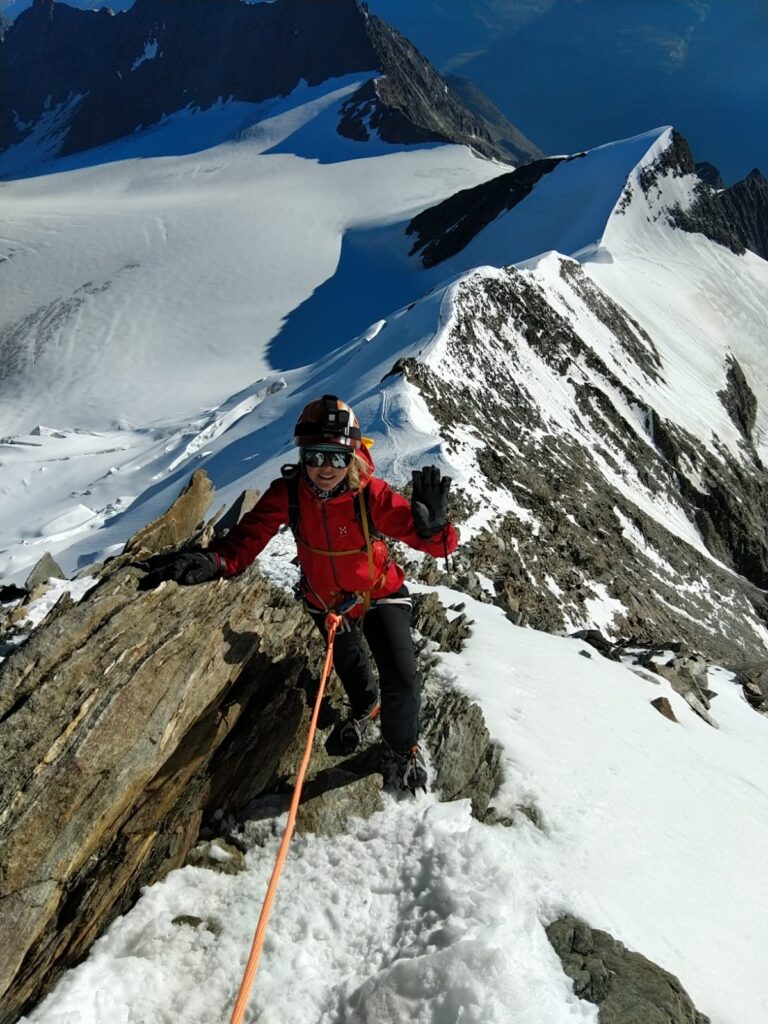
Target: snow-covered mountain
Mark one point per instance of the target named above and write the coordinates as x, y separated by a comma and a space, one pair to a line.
79, 79
581, 344
145, 369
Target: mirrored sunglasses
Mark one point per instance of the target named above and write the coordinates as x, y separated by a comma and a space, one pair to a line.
316, 457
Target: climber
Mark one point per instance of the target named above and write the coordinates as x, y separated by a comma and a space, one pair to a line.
338, 511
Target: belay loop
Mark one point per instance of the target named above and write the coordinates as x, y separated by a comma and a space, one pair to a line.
332, 623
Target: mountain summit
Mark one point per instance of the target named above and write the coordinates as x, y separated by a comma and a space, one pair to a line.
80, 79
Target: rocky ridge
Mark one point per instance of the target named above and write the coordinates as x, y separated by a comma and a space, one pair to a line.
736, 218
565, 534
520, 150
746, 209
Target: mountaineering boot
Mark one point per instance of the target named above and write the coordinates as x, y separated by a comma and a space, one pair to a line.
353, 732
408, 769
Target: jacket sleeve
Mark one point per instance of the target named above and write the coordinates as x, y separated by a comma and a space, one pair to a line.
245, 541
391, 514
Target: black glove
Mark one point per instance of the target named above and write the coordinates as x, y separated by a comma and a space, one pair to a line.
429, 503
187, 568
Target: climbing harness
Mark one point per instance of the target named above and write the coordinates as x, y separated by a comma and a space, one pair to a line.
332, 623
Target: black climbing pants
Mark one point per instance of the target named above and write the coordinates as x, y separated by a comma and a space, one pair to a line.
387, 631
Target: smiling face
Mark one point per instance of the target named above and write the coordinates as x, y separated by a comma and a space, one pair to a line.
326, 477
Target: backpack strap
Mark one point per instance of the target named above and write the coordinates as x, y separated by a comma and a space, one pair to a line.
290, 473
362, 502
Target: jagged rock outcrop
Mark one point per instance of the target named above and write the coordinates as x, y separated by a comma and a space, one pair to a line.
95, 77
133, 720
746, 208
44, 569
754, 680
736, 217
709, 174
739, 399
687, 675
705, 214
177, 524
110, 717
626, 987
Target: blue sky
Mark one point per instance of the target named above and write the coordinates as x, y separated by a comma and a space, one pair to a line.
572, 74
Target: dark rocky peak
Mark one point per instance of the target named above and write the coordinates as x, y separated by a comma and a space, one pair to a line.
704, 214
736, 217
121, 72
710, 175
746, 207
411, 102
676, 160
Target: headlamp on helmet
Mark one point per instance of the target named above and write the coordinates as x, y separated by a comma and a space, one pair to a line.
325, 421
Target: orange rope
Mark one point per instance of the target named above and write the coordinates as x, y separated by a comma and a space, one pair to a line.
332, 623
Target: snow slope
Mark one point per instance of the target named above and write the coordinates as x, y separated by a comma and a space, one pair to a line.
421, 914
147, 294
152, 286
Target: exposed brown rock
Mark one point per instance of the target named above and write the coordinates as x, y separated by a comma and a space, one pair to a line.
663, 706
178, 523
626, 986
45, 568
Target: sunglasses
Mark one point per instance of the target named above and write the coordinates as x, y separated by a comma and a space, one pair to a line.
316, 458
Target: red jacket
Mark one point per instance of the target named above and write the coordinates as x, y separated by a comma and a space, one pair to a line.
331, 525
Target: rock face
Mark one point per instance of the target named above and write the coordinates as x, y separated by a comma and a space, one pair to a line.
709, 174
96, 77
110, 717
746, 207
627, 988
754, 680
133, 719
739, 399
46, 568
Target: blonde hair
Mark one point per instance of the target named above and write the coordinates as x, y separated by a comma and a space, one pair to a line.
359, 471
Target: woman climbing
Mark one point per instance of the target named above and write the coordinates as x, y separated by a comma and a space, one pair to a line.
338, 509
